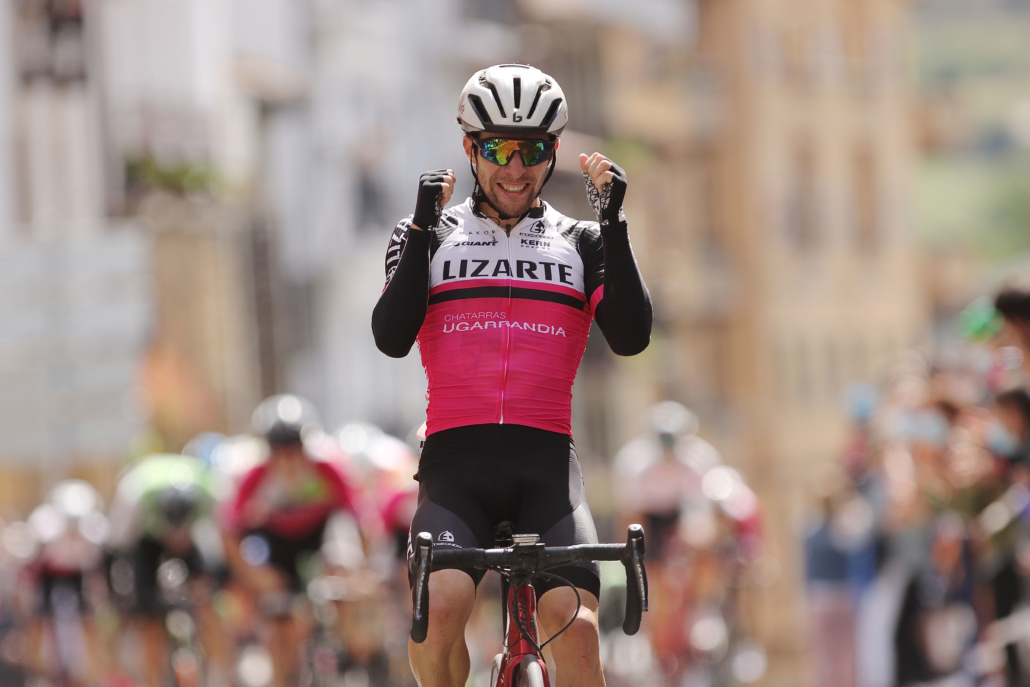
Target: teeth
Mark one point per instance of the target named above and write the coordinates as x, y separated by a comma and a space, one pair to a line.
512, 189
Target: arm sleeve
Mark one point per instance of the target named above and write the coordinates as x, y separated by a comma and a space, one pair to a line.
232, 514
398, 315
622, 305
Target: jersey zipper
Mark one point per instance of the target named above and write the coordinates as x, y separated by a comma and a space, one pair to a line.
507, 330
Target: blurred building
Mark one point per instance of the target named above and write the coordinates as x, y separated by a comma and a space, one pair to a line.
811, 185
75, 301
770, 152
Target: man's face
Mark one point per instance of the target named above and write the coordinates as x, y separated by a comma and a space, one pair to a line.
513, 188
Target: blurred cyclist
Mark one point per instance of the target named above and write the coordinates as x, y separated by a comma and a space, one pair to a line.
69, 529
500, 292
162, 512
278, 520
658, 474
385, 465
702, 529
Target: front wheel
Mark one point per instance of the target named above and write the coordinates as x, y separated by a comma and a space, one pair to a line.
530, 673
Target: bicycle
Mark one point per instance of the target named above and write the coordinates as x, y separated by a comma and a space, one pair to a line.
181, 598
329, 656
519, 558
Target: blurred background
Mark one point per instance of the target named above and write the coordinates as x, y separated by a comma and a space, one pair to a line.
196, 198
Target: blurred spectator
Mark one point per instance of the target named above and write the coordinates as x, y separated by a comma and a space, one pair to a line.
833, 564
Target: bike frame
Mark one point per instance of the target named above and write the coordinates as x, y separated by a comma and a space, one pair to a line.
521, 608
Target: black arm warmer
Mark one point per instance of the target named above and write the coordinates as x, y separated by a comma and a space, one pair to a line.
624, 312
401, 309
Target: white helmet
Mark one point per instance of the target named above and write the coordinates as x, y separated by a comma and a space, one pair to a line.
513, 98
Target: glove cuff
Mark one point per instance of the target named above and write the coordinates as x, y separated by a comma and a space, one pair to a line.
425, 220
612, 220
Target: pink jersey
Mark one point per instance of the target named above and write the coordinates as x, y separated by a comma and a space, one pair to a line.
508, 317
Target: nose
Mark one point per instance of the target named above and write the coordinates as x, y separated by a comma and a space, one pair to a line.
516, 166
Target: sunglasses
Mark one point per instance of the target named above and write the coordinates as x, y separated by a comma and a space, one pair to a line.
500, 151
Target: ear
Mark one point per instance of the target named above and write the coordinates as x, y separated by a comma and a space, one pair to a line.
466, 142
557, 142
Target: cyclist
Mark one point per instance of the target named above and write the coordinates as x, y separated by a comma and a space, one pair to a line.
701, 521
278, 519
162, 510
659, 473
69, 529
500, 291
385, 464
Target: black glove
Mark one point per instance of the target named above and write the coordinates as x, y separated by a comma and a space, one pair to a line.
607, 204
427, 207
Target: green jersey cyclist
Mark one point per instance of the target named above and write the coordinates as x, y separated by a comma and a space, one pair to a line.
500, 292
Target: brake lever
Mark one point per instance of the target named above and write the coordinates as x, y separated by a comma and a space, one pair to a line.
636, 579
420, 590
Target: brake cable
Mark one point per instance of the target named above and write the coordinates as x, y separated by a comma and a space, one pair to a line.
525, 631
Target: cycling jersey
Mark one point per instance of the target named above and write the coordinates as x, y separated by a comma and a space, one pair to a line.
290, 509
502, 319
136, 510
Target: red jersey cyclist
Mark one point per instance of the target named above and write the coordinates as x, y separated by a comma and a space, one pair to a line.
500, 291
277, 524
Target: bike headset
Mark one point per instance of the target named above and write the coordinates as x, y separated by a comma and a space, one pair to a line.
492, 102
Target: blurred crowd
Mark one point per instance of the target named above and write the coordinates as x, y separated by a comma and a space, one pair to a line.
279, 559
274, 559
918, 555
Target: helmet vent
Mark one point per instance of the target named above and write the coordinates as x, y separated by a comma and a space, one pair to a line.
536, 99
497, 99
477, 105
552, 112
517, 87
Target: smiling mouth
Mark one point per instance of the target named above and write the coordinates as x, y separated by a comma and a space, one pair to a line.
513, 189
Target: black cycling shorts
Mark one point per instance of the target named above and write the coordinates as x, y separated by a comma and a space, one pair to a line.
473, 478
60, 592
148, 556
289, 553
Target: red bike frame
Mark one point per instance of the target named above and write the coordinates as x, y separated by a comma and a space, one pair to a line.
517, 646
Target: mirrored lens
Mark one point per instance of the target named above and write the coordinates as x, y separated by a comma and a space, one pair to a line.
501, 150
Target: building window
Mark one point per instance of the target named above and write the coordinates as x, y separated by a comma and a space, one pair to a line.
802, 205
856, 44
866, 202
372, 201
797, 52
50, 41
